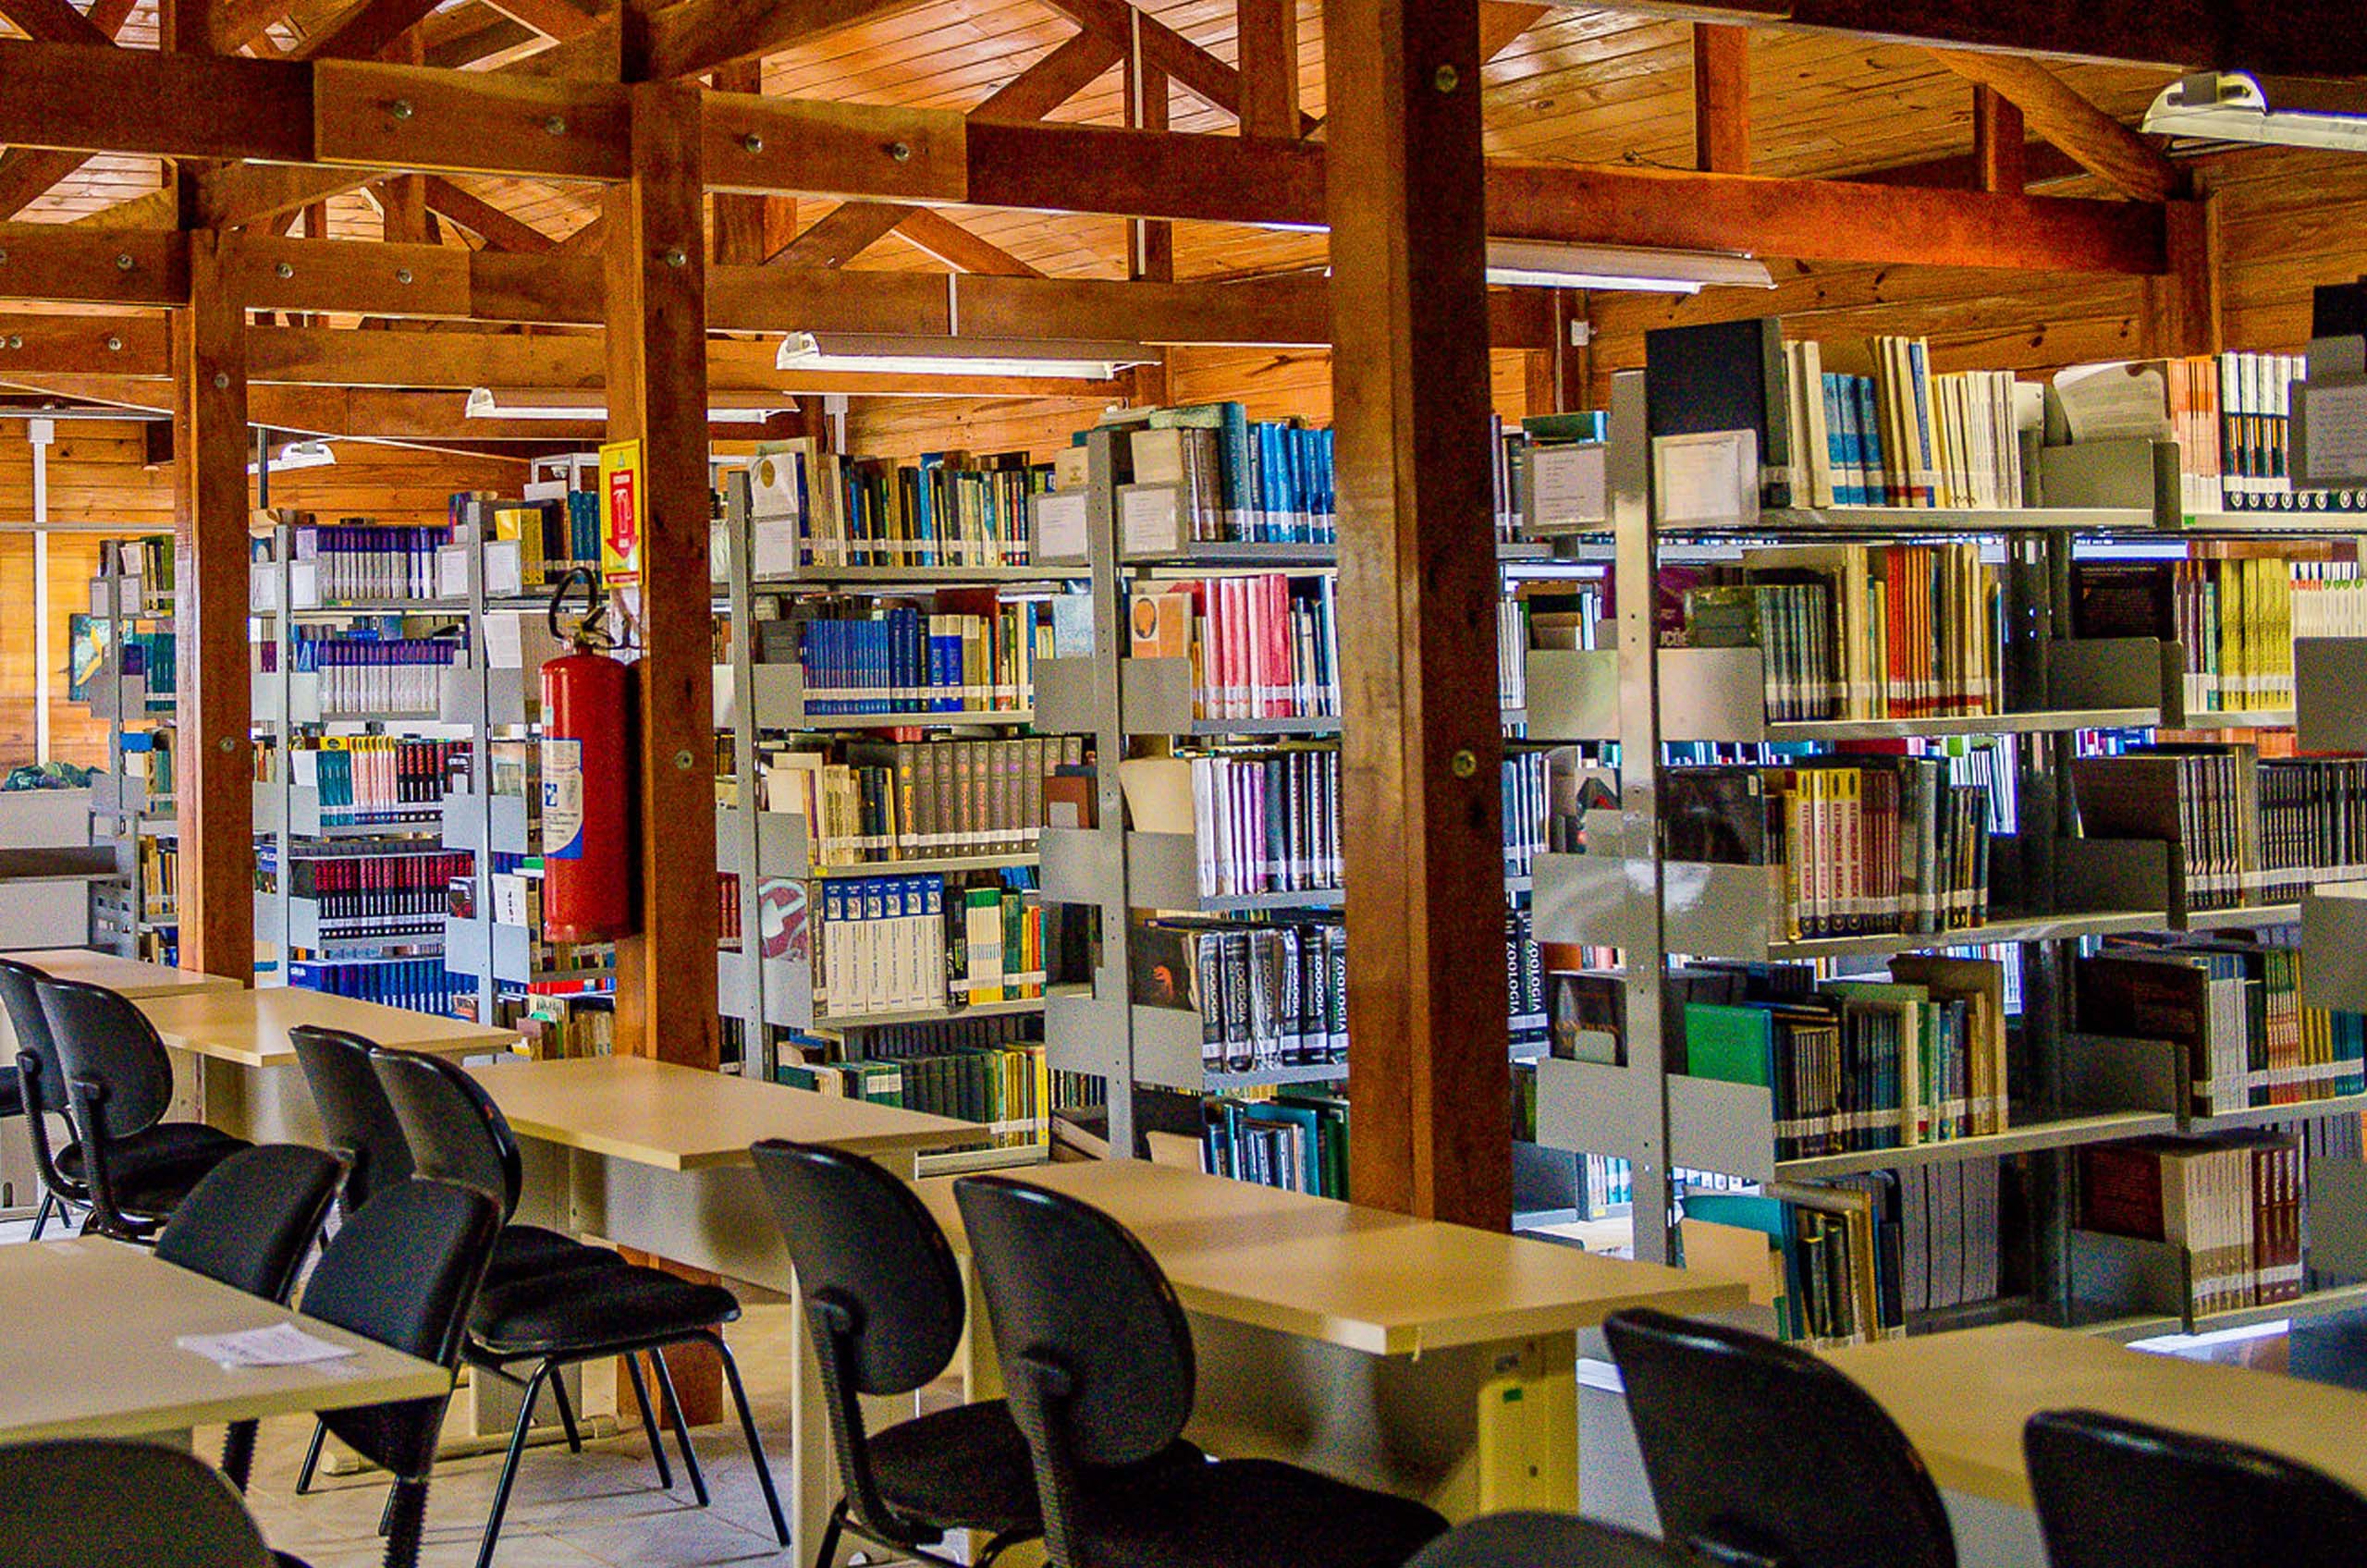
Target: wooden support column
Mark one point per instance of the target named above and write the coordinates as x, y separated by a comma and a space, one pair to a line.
655, 278
1422, 742
214, 759
2182, 307
1269, 31
2000, 145
1722, 98
750, 230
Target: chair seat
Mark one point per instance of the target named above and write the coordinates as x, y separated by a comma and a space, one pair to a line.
1258, 1513
526, 1252
586, 1309
964, 1468
150, 1169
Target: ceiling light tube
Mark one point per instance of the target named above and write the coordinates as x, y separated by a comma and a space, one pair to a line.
882, 354
581, 404
2231, 106
1546, 264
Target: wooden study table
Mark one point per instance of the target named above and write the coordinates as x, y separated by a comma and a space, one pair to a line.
240, 1067
128, 975
112, 1370
655, 1156
1435, 1361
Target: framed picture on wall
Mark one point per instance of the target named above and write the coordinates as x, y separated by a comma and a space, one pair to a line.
87, 639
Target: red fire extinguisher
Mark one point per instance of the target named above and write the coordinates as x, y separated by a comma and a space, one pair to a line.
589, 860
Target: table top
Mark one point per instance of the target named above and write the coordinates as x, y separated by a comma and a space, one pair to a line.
250, 1027
113, 1370
688, 1119
1963, 1398
126, 975
1365, 1279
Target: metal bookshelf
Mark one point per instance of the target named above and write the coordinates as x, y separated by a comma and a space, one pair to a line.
124, 812
2070, 1089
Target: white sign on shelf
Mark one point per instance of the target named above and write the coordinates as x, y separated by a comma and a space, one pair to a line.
1147, 520
1568, 486
1709, 480
2333, 429
1060, 518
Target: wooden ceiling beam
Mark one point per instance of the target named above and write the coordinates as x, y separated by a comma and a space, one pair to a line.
1268, 32
842, 234
2042, 164
240, 194
2000, 143
695, 36
54, 21
1720, 98
958, 248
1198, 72
560, 19
2130, 162
1051, 80
481, 218
27, 173
364, 29
2274, 37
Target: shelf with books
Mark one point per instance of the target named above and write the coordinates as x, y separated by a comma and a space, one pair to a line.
783, 700
2113, 1321
2065, 1132
891, 1019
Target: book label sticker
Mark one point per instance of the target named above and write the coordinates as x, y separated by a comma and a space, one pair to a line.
563, 798
1061, 527
1146, 521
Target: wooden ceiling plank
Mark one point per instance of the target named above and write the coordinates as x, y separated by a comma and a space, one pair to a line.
54, 21
28, 173
958, 247
1268, 32
483, 219
1501, 22
238, 194
558, 19
2133, 164
1201, 73
2275, 37
1050, 81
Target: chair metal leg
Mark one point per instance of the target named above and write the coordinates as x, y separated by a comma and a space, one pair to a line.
406, 1523
387, 1514
567, 1413
649, 1424
682, 1427
238, 1453
828, 1555
748, 1431
312, 1460
509, 1463
41, 1215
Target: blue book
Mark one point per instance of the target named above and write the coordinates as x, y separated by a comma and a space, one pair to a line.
1880, 490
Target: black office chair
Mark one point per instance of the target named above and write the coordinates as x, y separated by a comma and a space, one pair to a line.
404, 1271
118, 1081
251, 1223
1547, 1540
1097, 1358
1763, 1456
885, 1299
356, 1120
561, 1317
80, 1502
2119, 1494
40, 1090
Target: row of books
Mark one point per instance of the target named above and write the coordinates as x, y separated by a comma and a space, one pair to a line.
1827, 1255
1002, 1088
2234, 1009
902, 659
2233, 619
1867, 844
363, 887
2234, 1203
1241, 481
949, 508
1260, 648
420, 984
1519, 453
917, 943
1854, 1065
144, 762
880, 803
1268, 993
1881, 430
528, 544
156, 874
153, 656
357, 560
1262, 821
373, 675
369, 780
1528, 809
1295, 1142
146, 565
2242, 831
1859, 631
557, 1025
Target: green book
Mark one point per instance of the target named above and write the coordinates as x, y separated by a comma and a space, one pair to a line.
1732, 1045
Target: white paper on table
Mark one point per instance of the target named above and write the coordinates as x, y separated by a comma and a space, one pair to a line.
281, 1344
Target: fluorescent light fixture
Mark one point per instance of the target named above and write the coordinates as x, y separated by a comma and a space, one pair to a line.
879, 354
299, 454
2230, 107
580, 403
1542, 264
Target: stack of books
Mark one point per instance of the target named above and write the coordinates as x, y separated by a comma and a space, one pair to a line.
1879, 429
1268, 993
2233, 1203
357, 560
919, 943
880, 803
1262, 821
420, 984
972, 653
393, 886
2234, 1009
371, 779
947, 510
1000, 1086
1296, 1142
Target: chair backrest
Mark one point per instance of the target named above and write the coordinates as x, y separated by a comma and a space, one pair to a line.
18, 994
98, 1033
868, 1252
1071, 1292
356, 1115
404, 1271
1748, 1443
2119, 1494
254, 1218
1547, 1540
80, 1502
454, 1129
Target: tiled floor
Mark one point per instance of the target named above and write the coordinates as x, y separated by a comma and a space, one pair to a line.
601, 1507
